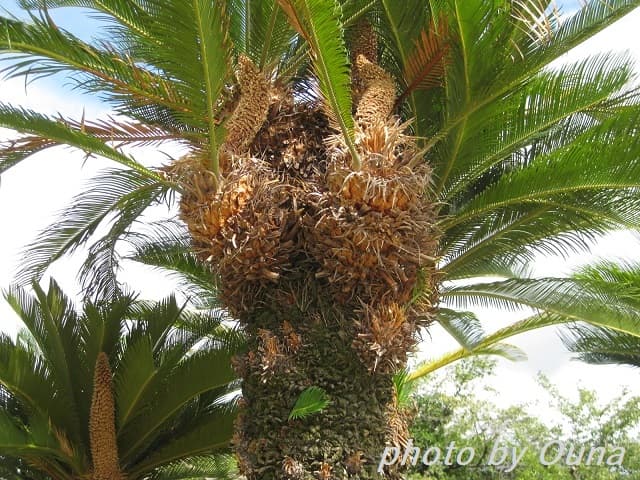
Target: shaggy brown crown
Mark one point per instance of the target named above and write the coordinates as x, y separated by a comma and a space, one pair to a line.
293, 232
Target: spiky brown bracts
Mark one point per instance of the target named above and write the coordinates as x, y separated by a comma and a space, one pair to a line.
378, 96
246, 229
292, 469
354, 463
250, 112
293, 140
102, 424
385, 337
374, 228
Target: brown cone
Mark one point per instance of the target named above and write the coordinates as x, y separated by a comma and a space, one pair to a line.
102, 424
364, 42
252, 108
378, 95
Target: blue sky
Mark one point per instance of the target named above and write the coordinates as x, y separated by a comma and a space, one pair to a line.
77, 20
81, 22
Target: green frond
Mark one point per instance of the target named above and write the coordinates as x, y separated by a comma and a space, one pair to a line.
464, 327
163, 335
120, 192
604, 342
319, 22
156, 321
51, 320
170, 401
166, 246
310, 401
187, 42
404, 388
509, 237
492, 344
41, 49
56, 132
210, 434
604, 157
491, 78
260, 30
103, 324
22, 374
127, 14
16, 441
98, 274
214, 55
558, 300
547, 103
498, 349
133, 378
401, 24
193, 376
619, 279
603, 346
219, 467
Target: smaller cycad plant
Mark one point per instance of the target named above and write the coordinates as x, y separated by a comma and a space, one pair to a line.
122, 389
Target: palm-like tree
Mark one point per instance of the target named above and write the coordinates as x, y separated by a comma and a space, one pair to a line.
123, 389
354, 166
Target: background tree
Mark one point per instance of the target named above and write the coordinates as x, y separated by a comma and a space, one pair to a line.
124, 389
329, 221
454, 405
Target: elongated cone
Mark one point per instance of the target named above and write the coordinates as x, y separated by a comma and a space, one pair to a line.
252, 108
364, 42
378, 96
102, 424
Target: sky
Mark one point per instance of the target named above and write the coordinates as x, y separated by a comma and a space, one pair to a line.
33, 192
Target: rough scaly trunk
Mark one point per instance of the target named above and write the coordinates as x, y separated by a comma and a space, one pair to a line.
321, 265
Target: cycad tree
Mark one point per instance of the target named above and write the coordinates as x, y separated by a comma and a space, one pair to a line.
123, 389
348, 162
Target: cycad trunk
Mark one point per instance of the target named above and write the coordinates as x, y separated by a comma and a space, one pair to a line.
322, 265
291, 350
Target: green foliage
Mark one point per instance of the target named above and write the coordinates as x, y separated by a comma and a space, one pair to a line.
260, 30
455, 405
610, 340
312, 400
527, 159
464, 327
171, 405
115, 198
